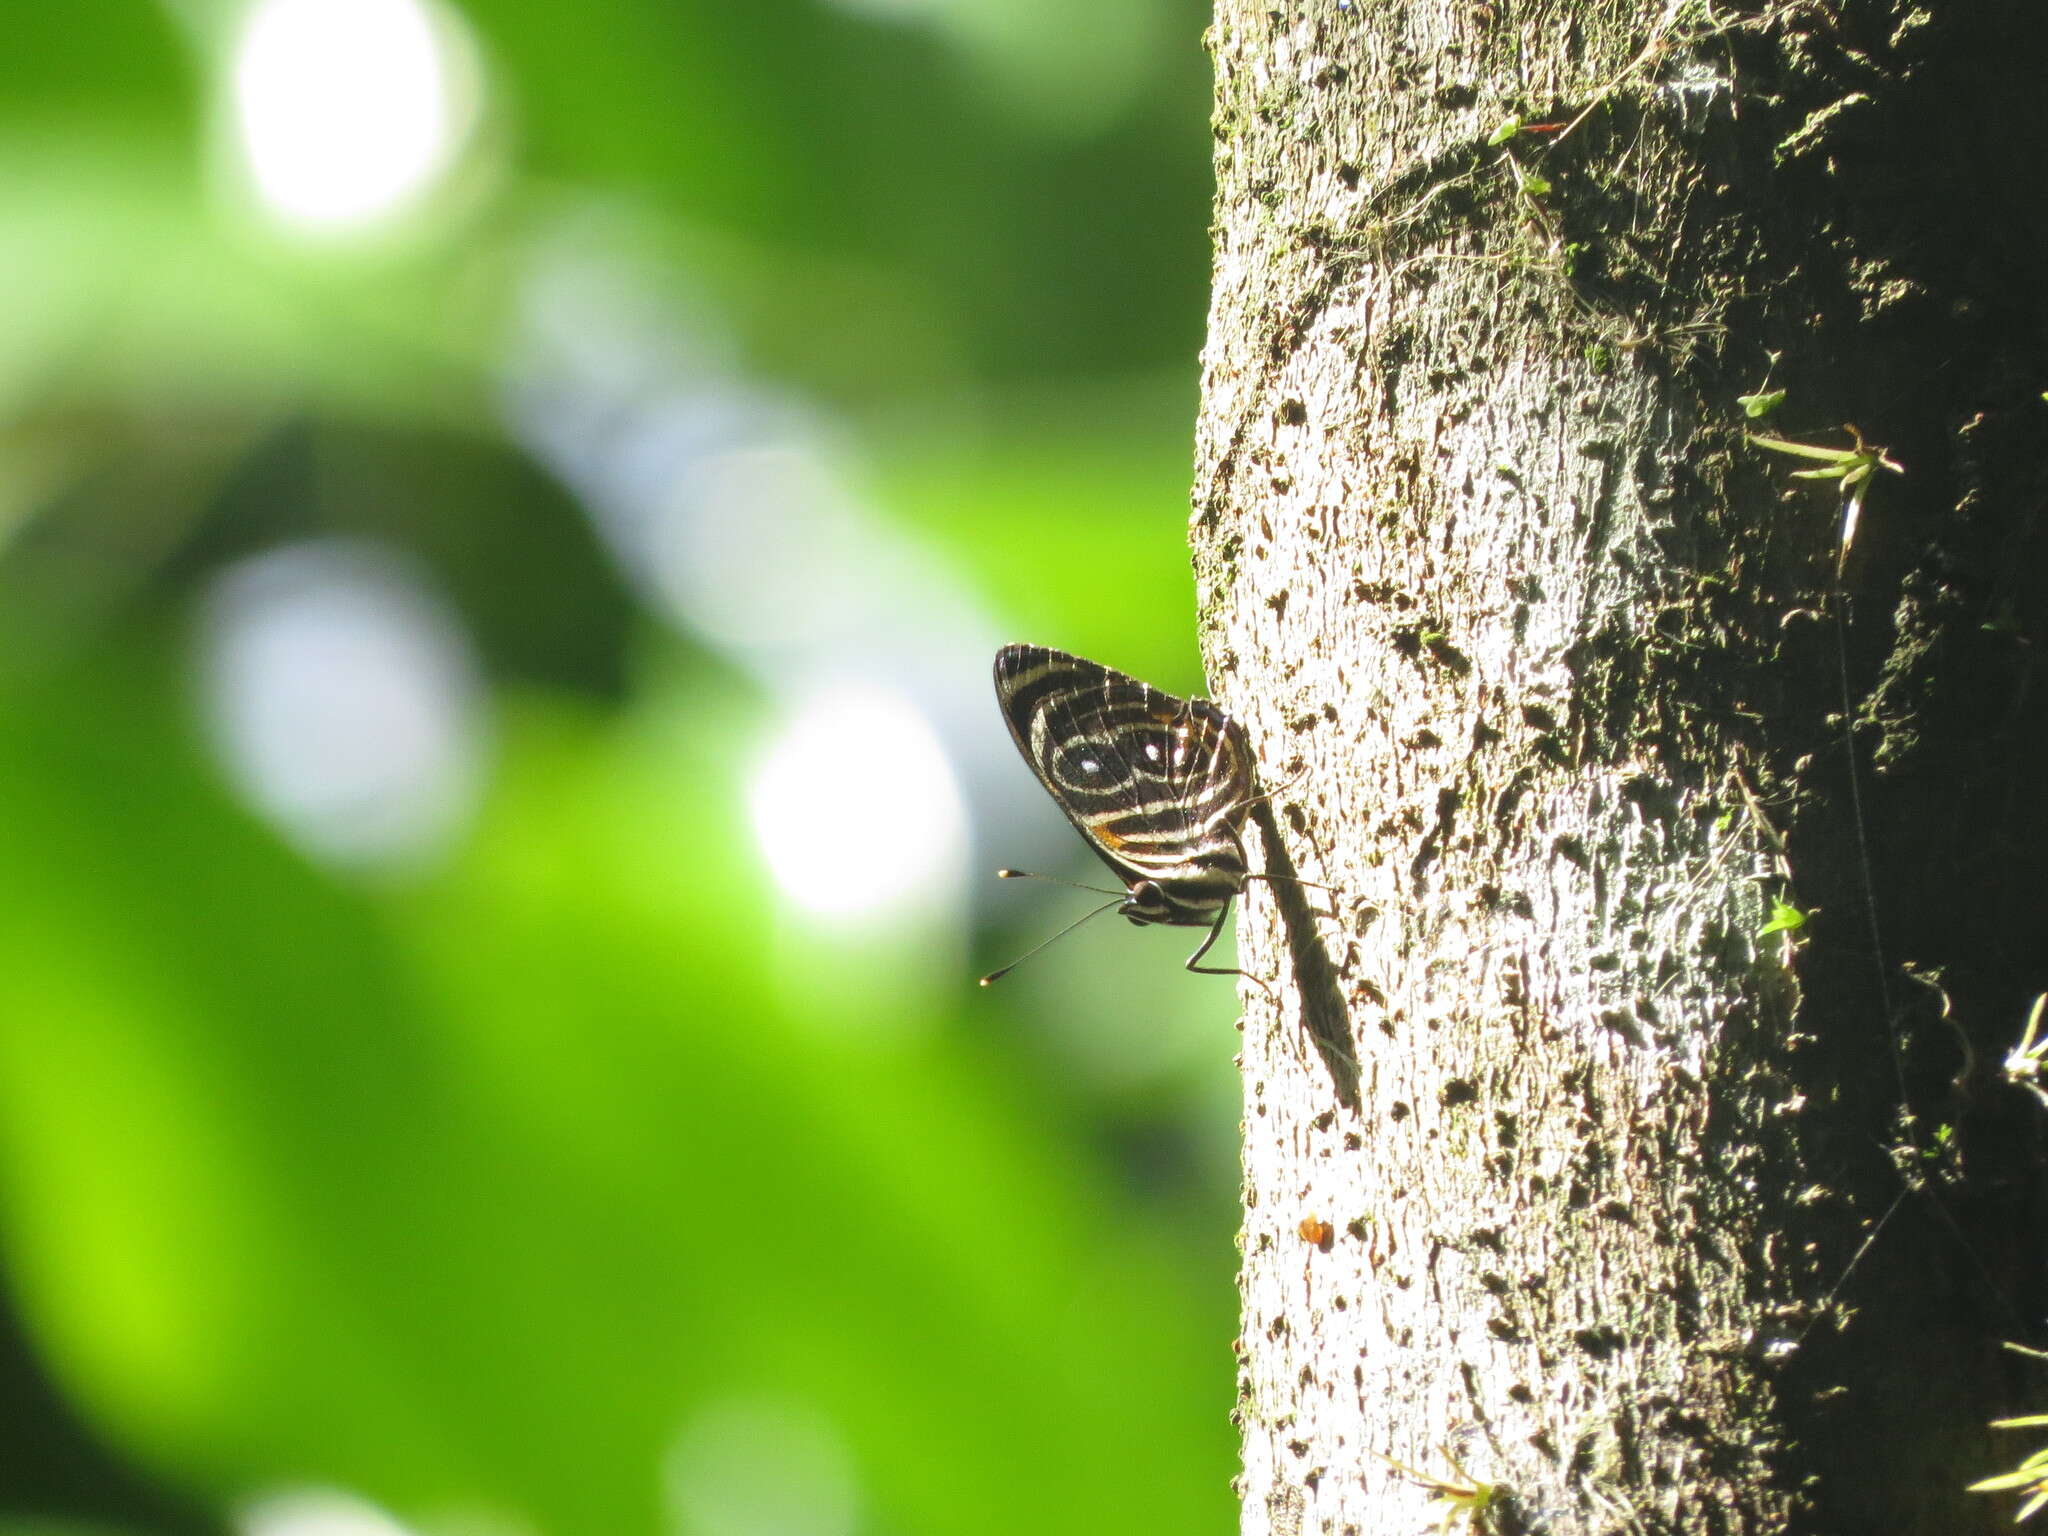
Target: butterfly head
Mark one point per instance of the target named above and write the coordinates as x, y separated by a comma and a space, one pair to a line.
1147, 903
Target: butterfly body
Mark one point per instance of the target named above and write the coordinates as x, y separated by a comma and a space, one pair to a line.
1156, 785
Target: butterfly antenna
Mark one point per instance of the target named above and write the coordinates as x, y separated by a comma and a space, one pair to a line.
995, 976
1025, 874
1271, 794
1314, 885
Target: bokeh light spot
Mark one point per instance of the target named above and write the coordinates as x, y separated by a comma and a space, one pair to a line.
761, 1468
343, 700
857, 809
348, 109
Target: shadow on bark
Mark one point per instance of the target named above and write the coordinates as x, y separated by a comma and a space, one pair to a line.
1316, 978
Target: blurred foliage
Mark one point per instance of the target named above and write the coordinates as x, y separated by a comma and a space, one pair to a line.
481, 1188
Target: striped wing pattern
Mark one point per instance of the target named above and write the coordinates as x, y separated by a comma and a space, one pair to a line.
1157, 785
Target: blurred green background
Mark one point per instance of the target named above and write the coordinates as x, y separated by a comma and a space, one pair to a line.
505, 513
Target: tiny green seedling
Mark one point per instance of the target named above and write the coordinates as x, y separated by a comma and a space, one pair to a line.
2022, 1066
2030, 1475
2026, 1062
1467, 1496
1763, 400
1851, 469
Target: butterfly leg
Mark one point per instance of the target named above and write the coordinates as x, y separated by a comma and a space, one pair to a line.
1215, 933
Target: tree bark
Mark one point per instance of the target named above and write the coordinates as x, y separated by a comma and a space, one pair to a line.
1566, 1171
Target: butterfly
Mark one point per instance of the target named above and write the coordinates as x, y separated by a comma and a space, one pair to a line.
1157, 786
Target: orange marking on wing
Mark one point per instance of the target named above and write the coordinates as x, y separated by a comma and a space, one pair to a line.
1107, 838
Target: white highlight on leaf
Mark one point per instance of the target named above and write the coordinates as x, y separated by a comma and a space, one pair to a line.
314, 1512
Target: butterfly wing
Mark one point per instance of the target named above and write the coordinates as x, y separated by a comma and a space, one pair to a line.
1156, 785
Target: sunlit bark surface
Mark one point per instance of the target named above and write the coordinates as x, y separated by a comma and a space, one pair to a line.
1570, 1169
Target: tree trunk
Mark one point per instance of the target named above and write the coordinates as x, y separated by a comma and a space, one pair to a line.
1567, 1170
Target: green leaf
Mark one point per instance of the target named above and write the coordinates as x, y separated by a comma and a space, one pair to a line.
1802, 450
2001, 1483
1784, 919
1758, 406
